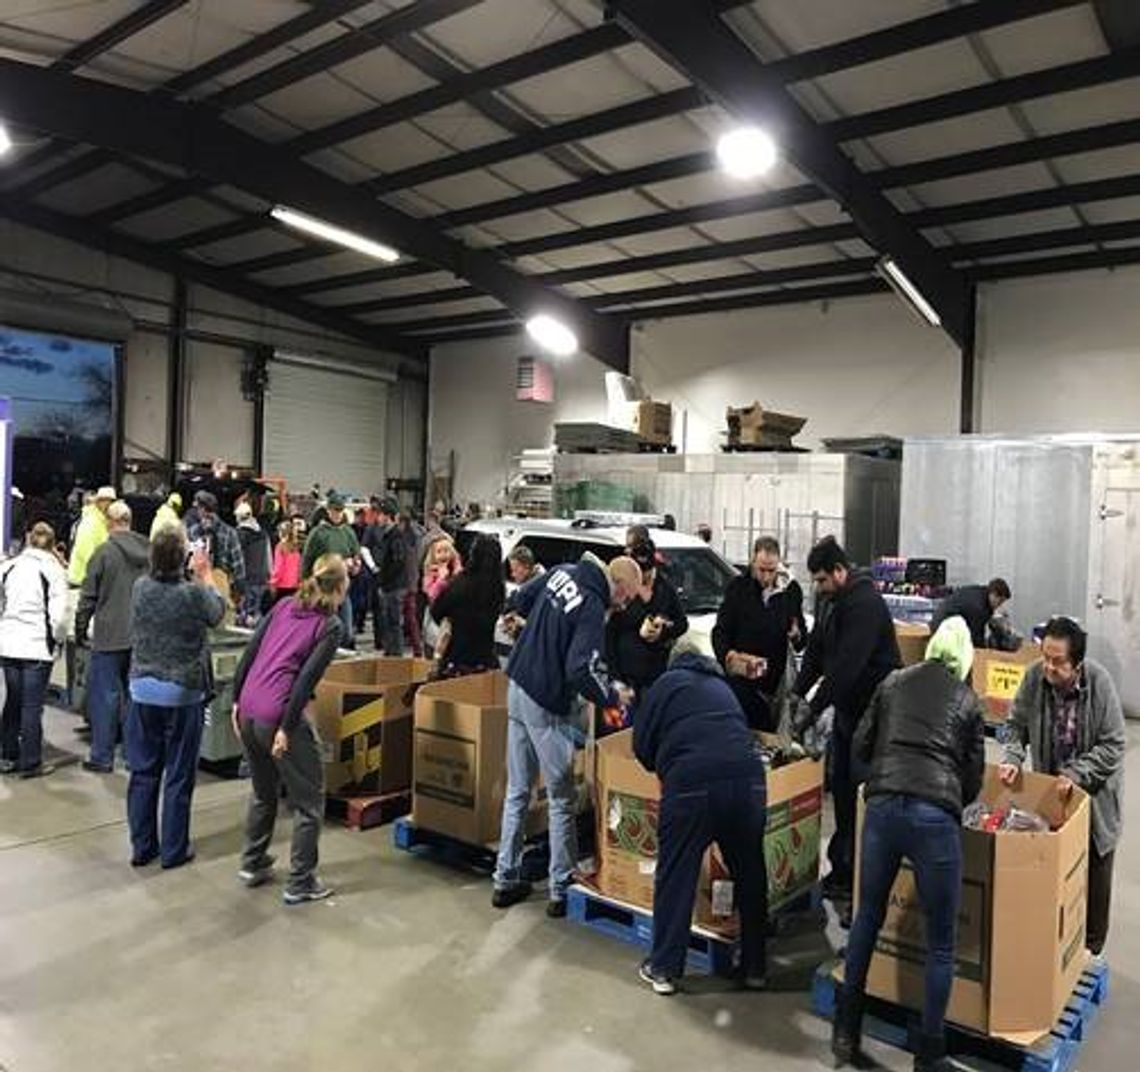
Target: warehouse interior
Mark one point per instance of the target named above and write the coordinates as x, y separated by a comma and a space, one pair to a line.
411, 249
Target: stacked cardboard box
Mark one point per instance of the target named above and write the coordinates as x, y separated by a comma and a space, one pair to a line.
755, 426
627, 801
363, 711
997, 676
1021, 924
652, 421
460, 759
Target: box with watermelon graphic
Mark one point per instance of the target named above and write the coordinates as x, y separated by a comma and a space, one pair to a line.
627, 802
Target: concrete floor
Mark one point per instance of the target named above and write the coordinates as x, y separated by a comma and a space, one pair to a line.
407, 968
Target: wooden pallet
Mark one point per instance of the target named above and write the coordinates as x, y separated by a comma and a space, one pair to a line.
709, 953
466, 856
365, 812
1056, 1052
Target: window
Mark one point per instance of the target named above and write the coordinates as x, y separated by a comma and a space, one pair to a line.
555, 550
699, 576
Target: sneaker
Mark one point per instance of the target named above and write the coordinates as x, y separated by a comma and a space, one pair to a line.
506, 896
556, 909
96, 768
661, 984
143, 861
316, 891
252, 877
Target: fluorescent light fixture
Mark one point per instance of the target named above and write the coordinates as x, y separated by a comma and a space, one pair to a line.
551, 334
5, 140
331, 233
902, 286
746, 152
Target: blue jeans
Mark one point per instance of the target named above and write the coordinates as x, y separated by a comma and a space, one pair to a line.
22, 723
894, 827
349, 638
733, 813
106, 697
162, 750
538, 740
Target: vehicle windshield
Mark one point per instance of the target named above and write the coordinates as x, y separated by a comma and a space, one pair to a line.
699, 576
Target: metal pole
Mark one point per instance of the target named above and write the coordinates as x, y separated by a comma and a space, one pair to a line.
969, 363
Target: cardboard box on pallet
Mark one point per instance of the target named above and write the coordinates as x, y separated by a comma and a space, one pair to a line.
997, 675
1021, 924
627, 798
653, 421
363, 711
461, 759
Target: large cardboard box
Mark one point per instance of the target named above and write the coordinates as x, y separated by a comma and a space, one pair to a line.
997, 675
1021, 925
653, 421
912, 639
756, 426
363, 711
461, 759
628, 798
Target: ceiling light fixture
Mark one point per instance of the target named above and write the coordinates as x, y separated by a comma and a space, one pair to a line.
5, 140
331, 233
902, 286
746, 152
551, 334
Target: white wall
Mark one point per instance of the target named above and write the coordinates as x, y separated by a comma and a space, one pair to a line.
1055, 354
218, 421
474, 412
857, 366
1061, 353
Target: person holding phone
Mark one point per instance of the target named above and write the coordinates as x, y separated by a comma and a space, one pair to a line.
1068, 712
761, 615
640, 637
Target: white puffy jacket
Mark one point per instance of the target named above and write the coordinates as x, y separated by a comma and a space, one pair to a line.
24, 617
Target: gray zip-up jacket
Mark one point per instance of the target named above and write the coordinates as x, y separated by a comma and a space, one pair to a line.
1099, 764
111, 574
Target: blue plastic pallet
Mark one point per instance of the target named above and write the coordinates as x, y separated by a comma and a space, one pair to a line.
708, 955
1057, 1052
462, 854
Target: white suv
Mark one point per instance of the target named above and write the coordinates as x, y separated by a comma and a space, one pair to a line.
699, 573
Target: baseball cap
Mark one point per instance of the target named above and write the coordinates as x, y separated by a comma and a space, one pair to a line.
105, 492
335, 501
206, 500
243, 511
389, 506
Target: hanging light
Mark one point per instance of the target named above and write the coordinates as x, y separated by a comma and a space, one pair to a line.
5, 140
746, 152
888, 268
553, 335
331, 233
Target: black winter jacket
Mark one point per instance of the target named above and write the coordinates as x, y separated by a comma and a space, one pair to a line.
389, 552
745, 623
971, 602
852, 647
924, 736
629, 658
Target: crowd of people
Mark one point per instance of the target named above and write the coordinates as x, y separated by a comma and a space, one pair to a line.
613, 634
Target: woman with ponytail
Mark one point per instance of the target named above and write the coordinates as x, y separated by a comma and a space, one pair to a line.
286, 657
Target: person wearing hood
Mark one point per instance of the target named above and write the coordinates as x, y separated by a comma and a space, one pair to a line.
690, 730
106, 599
278, 673
256, 558
33, 619
169, 513
761, 614
90, 533
851, 649
558, 656
923, 736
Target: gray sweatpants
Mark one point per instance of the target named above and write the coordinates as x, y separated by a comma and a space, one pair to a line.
300, 769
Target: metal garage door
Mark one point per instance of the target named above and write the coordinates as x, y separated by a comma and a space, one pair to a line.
325, 423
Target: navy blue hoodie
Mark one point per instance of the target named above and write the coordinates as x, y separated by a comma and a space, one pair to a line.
558, 654
691, 730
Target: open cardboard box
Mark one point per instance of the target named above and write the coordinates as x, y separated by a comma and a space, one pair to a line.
997, 675
1021, 924
363, 711
627, 798
912, 638
461, 760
